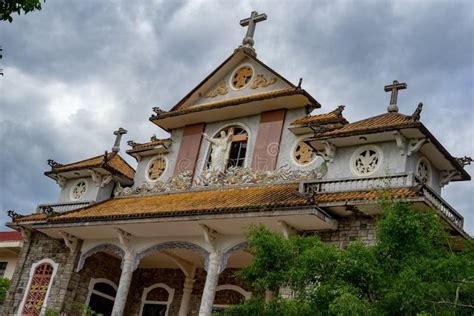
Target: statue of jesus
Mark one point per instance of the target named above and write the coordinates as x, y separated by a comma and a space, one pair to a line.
220, 149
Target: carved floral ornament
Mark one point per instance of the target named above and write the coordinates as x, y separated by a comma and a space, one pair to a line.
366, 160
78, 191
423, 170
220, 89
241, 77
262, 82
303, 154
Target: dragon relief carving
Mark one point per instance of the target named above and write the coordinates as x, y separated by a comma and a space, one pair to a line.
220, 89
262, 82
233, 176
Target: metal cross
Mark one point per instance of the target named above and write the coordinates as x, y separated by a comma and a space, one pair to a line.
251, 22
393, 98
118, 136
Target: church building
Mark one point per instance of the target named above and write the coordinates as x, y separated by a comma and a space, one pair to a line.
246, 147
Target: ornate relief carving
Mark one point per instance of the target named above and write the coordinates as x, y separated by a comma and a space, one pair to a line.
220, 89
303, 153
233, 176
79, 190
156, 168
262, 82
242, 77
423, 170
366, 160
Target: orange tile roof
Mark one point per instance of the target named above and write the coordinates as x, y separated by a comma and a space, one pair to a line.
183, 203
376, 123
114, 162
236, 101
326, 118
149, 145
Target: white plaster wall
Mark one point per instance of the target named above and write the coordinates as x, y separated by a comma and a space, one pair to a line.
258, 69
392, 161
11, 265
170, 156
93, 192
412, 163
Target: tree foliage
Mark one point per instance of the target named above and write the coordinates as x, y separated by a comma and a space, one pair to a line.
411, 270
9, 7
4, 286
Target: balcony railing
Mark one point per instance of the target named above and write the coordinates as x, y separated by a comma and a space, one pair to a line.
405, 180
62, 207
358, 184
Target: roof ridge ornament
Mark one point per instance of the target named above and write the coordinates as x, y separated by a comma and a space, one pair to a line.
416, 115
338, 111
393, 88
251, 22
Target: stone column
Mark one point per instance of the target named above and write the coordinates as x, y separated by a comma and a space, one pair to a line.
124, 284
185, 300
213, 270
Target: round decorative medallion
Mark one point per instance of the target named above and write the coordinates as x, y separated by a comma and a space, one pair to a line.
366, 160
78, 190
303, 154
423, 170
241, 77
156, 167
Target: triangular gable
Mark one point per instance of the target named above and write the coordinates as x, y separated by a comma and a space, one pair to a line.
239, 76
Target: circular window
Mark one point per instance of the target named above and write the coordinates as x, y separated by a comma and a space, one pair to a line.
241, 77
303, 154
423, 170
156, 168
78, 190
366, 160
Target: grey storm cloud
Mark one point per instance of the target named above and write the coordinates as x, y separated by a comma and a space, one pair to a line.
76, 71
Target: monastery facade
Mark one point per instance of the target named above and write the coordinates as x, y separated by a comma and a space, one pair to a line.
244, 149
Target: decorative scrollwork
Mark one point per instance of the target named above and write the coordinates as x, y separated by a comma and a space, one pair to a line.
262, 82
242, 77
220, 89
157, 110
131, 143
416, 115
48, 210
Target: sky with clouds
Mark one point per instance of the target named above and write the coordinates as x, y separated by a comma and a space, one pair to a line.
76, 71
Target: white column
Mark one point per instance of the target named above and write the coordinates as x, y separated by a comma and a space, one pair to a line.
124, 284
207, 300
185, 300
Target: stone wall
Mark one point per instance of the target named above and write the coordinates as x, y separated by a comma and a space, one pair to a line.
38, 247
356, 227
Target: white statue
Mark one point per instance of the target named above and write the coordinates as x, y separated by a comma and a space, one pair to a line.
220, 149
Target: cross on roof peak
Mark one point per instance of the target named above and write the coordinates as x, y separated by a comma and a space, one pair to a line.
118, 136
251, 22
394, 87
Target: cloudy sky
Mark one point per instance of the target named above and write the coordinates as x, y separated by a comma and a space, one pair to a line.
76, 71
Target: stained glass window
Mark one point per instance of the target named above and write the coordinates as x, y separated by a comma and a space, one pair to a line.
36, 294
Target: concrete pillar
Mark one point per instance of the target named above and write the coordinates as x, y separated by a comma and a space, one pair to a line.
207, 300
124, 284
185, 300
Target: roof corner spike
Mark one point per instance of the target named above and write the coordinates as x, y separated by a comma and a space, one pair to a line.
338, 111
417, 114
299, 84
393, 107
118, 137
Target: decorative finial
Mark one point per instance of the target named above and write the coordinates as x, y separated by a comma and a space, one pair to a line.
416, 115
118, 133
1, 56
153, 138
299, 84
53, 164
131, 143
14, 215
393, 108
157, 110
338, 111
48, 210
464, 161
251, 22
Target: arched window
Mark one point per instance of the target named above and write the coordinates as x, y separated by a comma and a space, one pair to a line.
156, 300
238, 147
102, 296
41, 277
227, 295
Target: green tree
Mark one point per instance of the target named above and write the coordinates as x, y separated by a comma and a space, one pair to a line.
4, 286
9, 7
411, 270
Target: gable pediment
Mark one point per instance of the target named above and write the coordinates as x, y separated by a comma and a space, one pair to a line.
240, 76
